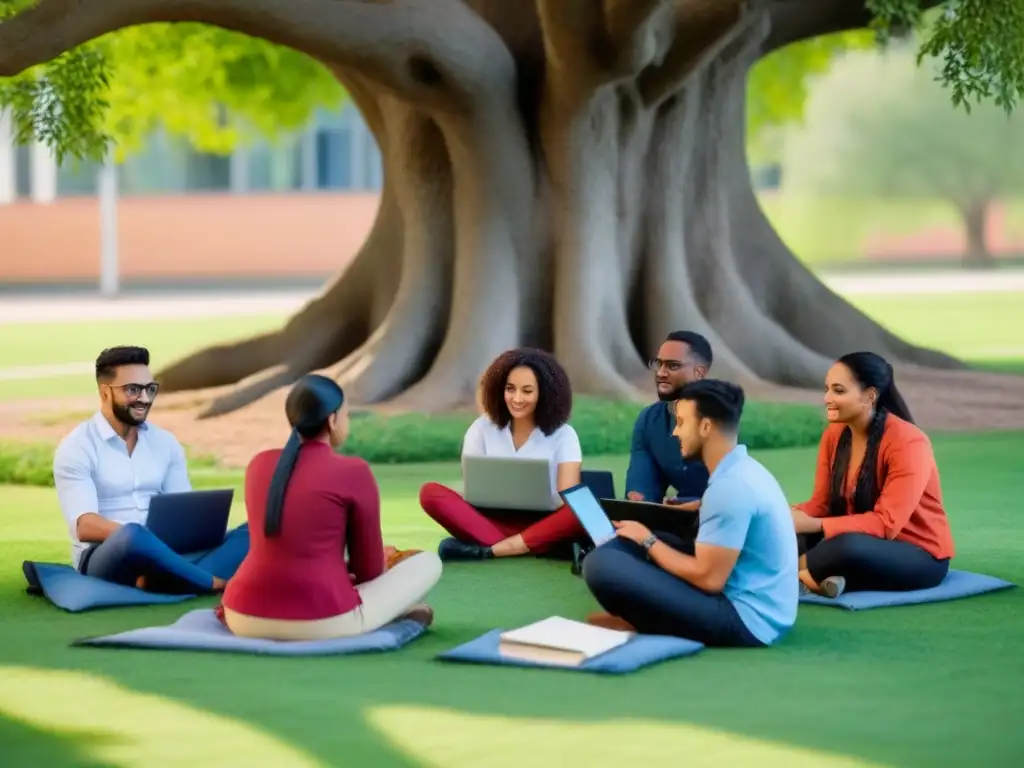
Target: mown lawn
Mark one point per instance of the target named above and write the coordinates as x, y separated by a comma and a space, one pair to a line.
920, 686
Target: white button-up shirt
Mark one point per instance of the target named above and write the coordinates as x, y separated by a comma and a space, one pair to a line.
94, 472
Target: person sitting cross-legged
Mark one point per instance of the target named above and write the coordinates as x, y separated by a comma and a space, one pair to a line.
876, 519
733, 586
307, 505
655, 462
108, 469
526, 400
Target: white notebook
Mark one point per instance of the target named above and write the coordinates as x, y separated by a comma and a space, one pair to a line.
559, 640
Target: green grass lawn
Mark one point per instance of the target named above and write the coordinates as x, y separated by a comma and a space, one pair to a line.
983, 328
918, 686
825, 230
32, 344
986, 328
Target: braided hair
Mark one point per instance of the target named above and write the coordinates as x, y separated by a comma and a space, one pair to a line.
869, 370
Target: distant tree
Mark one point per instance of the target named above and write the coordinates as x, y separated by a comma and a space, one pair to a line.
570, 174
881, 125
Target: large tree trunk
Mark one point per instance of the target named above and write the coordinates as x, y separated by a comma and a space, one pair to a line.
570, 175
975, 218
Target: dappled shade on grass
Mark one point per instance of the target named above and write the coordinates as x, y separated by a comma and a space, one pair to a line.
913, 686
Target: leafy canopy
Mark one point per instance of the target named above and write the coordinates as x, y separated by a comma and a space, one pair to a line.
218, 88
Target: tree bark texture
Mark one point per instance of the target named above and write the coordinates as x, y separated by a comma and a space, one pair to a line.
569, 174
975, 217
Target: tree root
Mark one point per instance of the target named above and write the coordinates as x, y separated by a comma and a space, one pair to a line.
591, 213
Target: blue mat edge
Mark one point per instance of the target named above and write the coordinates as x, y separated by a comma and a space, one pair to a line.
997, 584
413, 630
36, 588
447, 656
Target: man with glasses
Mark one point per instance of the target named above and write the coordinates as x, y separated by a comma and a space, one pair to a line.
107, 470
655, 461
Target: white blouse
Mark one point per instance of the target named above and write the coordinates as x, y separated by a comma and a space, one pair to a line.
485, 438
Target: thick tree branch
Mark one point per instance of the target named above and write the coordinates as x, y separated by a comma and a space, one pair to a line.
796, 20
423, 50
702, 29
601, 39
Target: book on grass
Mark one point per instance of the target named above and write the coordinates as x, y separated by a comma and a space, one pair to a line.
561, 641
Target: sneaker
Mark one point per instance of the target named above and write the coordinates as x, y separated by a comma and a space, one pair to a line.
579, 551
453, 549
833, 586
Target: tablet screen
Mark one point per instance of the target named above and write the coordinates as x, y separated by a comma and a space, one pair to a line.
588, 511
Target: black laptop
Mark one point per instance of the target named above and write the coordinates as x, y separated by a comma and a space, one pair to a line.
656, 517
190, 522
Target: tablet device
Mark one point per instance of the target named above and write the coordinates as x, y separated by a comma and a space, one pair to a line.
193, 521
585, 505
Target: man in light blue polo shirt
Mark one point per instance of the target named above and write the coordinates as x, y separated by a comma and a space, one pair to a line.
107, 470
737, 584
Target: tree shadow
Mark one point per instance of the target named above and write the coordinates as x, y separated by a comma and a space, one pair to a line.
26, 745
864, 687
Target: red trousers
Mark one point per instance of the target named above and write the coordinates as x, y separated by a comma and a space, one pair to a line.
462, 520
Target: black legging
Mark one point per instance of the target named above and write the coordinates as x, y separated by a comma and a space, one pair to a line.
869, 563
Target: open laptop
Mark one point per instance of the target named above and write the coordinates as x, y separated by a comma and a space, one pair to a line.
657, 517
508, 484
190, 522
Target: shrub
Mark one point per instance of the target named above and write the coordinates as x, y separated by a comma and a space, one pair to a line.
605, 429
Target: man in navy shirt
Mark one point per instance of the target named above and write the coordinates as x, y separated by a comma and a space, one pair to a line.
655, 461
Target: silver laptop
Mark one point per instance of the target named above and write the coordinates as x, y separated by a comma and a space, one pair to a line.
493, 482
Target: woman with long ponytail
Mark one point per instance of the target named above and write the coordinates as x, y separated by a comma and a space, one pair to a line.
306, 506
875, 520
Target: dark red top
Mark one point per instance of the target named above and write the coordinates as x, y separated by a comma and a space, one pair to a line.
331, 502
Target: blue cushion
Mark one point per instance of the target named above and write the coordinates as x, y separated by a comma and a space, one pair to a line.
639, 652
201, 630
66, 588
956, 585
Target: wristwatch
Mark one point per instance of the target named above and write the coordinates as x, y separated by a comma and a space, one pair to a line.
649, 542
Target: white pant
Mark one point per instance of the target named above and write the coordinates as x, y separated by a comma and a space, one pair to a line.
386, 598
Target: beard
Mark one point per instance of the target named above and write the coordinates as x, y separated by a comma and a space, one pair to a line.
671, 395
127, 416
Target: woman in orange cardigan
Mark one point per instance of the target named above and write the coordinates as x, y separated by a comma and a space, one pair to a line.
875, 520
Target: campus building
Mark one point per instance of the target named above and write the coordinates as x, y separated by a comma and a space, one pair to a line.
295, 207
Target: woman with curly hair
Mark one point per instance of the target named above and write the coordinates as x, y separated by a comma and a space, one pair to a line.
526, 400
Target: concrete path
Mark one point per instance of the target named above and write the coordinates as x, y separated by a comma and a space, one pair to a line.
42, 308
905, 283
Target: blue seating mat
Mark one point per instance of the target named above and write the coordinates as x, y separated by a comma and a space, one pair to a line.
956, 585
201, 630
66, 588
641, 651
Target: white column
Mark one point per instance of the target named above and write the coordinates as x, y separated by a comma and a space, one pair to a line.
106, 187
308, 166
240, 170
8, 160
43, 174
358, 133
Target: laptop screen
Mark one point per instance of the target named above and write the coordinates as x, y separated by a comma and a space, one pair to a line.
588, 511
